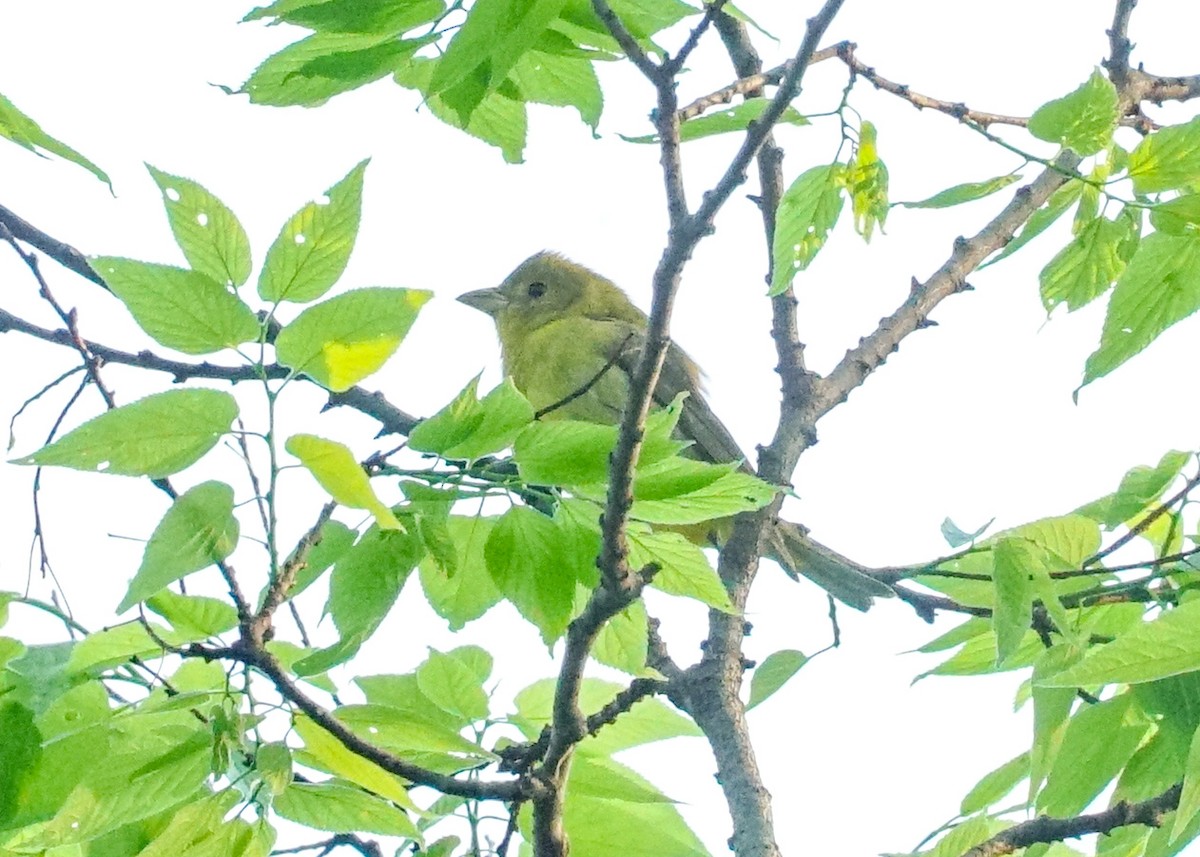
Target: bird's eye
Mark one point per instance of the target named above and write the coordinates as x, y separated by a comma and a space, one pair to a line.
536, 290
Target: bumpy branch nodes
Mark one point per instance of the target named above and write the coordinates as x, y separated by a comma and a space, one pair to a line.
1045, 829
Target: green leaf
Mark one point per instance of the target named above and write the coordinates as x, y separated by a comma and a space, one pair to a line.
726, 120
25, 132
198, 530
537, 561
333, 466
155, 436
560, 81
1051, 710
314, 246
341, 341
600, 777
489, 43
957, 537
1098, 742
1167, 159
807, 211
338, 808
19, 754
867, 183
313, 70
399, 730
960, 193
995, 785
622, 642
208, 233
469, 428
636, 828
1139, 488
1041, 220
683, 569
185, 310
1085, 268
334, 758
571, 452
1013, 561
1160, 287
452, 686
364, 585
377, 17
466, 592
1083, 121
499, 119
116, 645
194, 617
1178, 216
1189, 800
1168, 645
773, 673
733, 491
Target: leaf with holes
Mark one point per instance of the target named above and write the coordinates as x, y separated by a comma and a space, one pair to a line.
314, 246
808, 210
208, 233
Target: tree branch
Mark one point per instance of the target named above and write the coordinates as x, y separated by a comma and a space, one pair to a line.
1045, 829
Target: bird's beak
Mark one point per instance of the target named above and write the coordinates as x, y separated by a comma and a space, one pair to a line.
490, 301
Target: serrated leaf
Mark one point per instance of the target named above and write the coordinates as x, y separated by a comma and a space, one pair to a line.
155, 436
967, 192
185, 310
313, 70
467, 591
807, 211
208, 233
469, 428
314, 246
338, 808
25, 132
622, 642
378, 17
1140, 486
1099, 741
333, 466
1085, 268
364, 585
773, 673
341, 341
1083, 121
572, 452
1177, 216
452, 686
198, 530
1167, 159
683, 569
1159, 287
560, 81
1168, 645
194, 617
661, 497
498, 119
537, 562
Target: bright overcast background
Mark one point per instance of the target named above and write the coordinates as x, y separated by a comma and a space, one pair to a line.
972, 419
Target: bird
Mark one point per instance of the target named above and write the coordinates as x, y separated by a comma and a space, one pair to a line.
569, 341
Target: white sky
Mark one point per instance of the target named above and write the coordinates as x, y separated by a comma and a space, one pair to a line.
972, 419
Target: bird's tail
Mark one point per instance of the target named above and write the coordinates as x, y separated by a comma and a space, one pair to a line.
789, 545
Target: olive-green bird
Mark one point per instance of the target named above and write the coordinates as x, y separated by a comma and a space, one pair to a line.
570, 338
